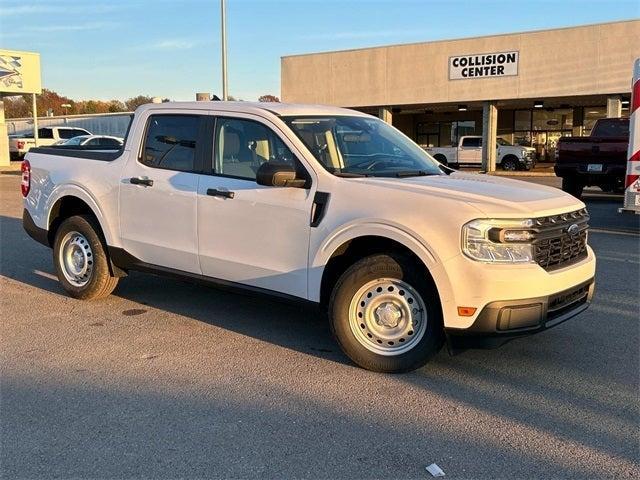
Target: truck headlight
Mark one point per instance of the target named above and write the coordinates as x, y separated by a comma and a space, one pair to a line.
499, 241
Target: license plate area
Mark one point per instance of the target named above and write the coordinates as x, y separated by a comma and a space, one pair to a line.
594, 168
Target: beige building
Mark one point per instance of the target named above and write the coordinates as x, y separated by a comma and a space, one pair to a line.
528, 88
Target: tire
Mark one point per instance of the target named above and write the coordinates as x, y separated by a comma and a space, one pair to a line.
442, 159
509, 163
400, 327
573, 186
80, 259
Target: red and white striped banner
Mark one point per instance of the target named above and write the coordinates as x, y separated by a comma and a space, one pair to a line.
632, 181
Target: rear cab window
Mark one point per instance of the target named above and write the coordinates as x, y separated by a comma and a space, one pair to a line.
471, 142
611, 128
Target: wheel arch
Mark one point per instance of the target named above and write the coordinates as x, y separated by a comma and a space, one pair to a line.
74, 201
352, 244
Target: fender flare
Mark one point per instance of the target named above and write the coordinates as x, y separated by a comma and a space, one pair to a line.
73, 190
376, 228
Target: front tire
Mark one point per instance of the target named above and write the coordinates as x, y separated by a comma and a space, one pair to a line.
80, 259
510, 164
385, 314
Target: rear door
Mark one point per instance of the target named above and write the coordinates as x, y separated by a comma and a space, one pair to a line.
248, 233
158, 191
470, 151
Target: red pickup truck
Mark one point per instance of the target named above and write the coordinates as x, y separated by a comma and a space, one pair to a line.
599, 159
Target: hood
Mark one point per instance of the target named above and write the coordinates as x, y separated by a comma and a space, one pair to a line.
493, 196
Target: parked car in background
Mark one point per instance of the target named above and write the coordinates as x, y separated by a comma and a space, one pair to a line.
19, 145
468, 153
92, 141
318, 204
597, 160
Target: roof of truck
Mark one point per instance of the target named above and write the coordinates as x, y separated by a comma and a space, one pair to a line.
276, 108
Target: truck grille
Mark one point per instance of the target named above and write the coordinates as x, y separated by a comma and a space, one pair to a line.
561, 240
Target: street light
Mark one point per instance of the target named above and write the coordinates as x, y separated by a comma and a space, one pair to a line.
223, 31
65, 106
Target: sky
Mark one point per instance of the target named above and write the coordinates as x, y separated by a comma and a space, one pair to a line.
99, 49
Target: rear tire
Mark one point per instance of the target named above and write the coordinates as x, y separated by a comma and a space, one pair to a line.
573, 186
80, 259
385, 314
442, 159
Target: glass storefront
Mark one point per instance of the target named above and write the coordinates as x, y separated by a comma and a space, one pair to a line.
444, 134
540, 128
591, 114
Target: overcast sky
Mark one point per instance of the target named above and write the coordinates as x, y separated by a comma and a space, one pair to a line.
170, 48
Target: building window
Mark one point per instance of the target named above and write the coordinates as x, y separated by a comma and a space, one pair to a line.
522, 120
443, 134
591, 114
552, 119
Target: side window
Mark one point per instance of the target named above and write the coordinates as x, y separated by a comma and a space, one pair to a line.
45, 133
67, 133
471, 142
93, 142
243, 145
109, 142
171, 142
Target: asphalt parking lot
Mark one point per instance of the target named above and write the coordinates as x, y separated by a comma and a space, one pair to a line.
165, 379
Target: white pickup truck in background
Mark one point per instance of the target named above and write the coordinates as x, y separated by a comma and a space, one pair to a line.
318, 204
19, 145
468, 153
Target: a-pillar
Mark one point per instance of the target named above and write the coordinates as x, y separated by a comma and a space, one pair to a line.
614, 106
384, 114
4, 138
489, 135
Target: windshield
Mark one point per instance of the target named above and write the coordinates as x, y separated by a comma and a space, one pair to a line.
355, 146
502, 142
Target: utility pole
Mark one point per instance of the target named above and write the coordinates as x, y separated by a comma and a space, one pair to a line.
223, 30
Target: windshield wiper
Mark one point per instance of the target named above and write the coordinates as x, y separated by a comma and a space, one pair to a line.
413, 173
350, 175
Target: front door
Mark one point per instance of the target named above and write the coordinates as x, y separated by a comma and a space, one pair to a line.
249, 233
158, 193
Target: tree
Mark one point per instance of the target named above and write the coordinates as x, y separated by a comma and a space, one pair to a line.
268, 98
117, 106
135, 102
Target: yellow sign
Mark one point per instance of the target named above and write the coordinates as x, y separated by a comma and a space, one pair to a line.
19, 72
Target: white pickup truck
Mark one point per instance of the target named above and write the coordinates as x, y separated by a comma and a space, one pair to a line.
19, 145
318, 204
468, 153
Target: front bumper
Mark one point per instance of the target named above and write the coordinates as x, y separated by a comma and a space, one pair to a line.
499, 322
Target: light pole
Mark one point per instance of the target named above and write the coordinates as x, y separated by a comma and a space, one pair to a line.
223, 30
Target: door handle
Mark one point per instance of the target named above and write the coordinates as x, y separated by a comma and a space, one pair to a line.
147, 182
214, 192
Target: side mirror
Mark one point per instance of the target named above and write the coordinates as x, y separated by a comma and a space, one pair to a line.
273, 174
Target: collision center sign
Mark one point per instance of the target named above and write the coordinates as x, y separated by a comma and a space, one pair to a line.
483, 65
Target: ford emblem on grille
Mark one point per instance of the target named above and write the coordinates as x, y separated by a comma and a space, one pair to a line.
573, 230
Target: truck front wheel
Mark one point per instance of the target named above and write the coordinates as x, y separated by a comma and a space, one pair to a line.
385, 314
573, 186
80, 259
510, 163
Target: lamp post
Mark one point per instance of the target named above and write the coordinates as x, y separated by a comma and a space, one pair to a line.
223, 31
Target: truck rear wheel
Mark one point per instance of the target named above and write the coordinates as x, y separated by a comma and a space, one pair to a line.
385, 314
441, 158
80, 259
573, 186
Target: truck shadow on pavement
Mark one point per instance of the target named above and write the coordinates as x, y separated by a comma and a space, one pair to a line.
559, 390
